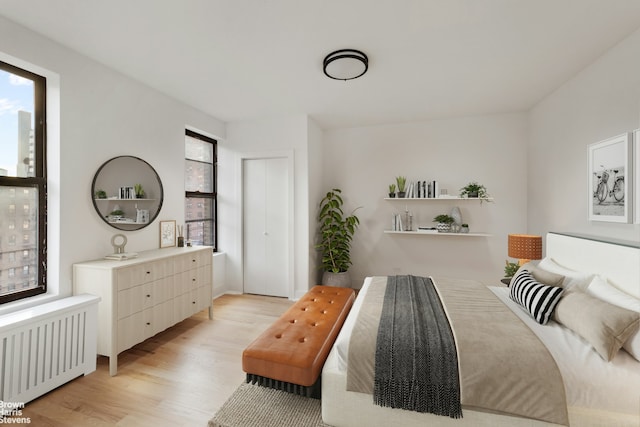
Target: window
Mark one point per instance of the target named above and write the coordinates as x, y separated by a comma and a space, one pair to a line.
22, 183
200, 190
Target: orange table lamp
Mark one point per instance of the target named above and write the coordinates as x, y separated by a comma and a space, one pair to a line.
525, 247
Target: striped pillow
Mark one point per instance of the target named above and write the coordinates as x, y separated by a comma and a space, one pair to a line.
537, 299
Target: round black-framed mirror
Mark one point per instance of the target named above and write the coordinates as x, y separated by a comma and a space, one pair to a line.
127, 193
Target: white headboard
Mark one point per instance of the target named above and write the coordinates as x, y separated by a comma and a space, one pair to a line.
619, 261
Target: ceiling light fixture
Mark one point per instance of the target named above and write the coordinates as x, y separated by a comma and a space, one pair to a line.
345, 64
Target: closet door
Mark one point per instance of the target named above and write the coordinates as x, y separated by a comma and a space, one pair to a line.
266, 226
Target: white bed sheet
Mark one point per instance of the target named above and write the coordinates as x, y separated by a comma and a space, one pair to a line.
590, 382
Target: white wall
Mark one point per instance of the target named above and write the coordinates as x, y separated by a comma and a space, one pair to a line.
601, 101
103, 114
262, 137
488, 149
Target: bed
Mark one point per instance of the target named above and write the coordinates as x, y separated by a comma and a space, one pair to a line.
597, 392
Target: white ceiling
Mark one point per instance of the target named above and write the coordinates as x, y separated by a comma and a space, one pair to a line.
251, 59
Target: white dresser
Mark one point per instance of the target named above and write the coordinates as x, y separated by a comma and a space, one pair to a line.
145, 295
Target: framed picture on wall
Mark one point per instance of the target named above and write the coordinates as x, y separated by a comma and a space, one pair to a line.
636, 174
610, 197
167, 233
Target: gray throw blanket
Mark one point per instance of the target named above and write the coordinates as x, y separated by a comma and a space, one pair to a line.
416, 365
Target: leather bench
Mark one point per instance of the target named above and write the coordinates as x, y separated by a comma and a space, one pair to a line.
290, 354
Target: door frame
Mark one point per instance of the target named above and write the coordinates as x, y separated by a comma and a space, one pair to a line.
265, 155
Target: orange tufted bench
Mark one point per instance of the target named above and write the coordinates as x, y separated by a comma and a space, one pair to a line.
290, 354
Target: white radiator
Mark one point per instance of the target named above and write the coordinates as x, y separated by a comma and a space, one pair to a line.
45, 346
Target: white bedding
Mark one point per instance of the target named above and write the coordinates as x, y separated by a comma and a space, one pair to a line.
591, 383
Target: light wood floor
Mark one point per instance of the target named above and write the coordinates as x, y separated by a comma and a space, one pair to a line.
179, 377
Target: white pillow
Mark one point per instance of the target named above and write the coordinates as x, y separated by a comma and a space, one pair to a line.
572, 278
600, 288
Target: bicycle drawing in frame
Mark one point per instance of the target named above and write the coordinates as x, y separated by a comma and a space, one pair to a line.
610, 196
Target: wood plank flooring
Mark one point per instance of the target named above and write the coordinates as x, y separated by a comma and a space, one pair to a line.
179, 377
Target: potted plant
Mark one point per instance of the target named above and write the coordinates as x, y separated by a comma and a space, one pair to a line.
392, 190
510, 269
139, 191
101, 194
464, 228
401, 181
444, 223
336, 233
474, 190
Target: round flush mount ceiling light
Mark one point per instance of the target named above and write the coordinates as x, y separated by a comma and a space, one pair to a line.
345, 64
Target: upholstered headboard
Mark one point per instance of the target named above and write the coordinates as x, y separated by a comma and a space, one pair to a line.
618, 261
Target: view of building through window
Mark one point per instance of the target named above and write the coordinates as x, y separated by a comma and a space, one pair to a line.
20, 186
200, 189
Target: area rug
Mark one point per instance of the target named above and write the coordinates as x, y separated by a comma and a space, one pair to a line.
255, 406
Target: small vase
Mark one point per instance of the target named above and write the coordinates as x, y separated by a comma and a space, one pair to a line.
456, 215
464, 229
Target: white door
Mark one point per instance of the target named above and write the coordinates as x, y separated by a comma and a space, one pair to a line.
266, 226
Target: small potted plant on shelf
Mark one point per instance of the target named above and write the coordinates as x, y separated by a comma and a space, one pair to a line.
139, 191
444, 223
475, 190
101, 194
464, 228
401, 181
392, 190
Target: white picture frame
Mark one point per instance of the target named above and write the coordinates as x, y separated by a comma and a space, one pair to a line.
167, 233
610, 197
636, 174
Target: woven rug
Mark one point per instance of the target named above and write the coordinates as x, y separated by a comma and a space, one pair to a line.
255, 406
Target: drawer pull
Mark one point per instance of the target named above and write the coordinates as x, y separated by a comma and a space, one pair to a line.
193, 280
148, 272
193, 260
148, 296
148, 323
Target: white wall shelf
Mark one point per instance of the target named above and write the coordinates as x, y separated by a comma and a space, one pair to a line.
439, 199
421, 233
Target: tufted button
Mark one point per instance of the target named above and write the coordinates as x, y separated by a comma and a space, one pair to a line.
302, 339
278, 336
293, 320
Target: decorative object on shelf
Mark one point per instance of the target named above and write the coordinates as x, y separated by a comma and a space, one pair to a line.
167, 233
456, 215
473, 190
464, 228
525, 247
180, 236
444, 223
345, 64
142, 216
336, 234
139, 191
116, 213
401, 181
408, 220
392, 190
101, 194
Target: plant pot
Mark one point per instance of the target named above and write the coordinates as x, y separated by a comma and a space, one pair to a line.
464, 229
342, 280
443, 227
473, 195
392, 195
401, 194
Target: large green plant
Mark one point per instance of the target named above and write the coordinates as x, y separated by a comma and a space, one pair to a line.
336, 233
